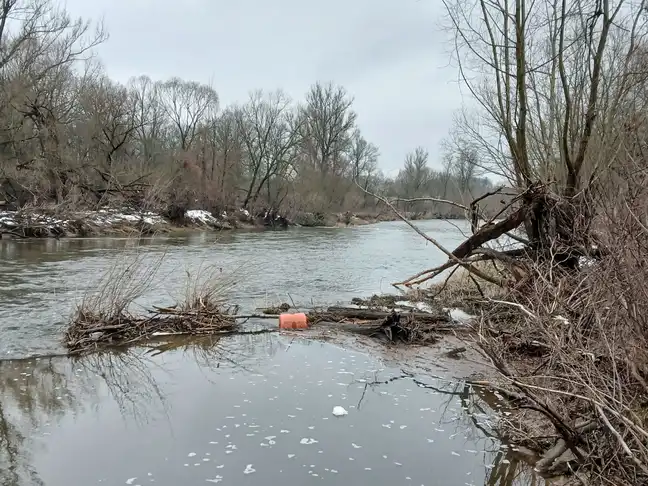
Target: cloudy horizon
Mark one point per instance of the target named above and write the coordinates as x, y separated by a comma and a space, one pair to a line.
392, 57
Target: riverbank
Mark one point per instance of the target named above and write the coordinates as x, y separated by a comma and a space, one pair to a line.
51, 223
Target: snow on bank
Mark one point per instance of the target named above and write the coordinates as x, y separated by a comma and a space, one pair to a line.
200, 216
43, 223
15, 219
7, 220
107, 217
103, 218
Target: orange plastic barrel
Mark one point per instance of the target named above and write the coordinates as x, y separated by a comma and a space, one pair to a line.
293, 321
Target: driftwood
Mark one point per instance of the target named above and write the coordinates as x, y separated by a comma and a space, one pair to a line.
371, 314
373, 328
408, 327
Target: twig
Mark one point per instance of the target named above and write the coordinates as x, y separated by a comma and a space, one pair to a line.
622, 442
514, 304
432, 199
450, 255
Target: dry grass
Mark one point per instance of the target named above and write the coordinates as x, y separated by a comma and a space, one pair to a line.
106, 317
206, 286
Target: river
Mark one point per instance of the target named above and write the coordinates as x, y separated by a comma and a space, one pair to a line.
253, 409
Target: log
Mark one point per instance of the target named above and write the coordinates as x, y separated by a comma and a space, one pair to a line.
367, 329
490, 232
372, 315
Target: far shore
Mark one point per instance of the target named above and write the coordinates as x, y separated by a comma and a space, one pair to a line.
49, 223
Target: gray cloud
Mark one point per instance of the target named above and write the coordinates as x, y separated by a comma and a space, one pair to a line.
389, 54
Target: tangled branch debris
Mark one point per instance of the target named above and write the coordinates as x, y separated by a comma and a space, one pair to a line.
395, 325
89, 331
105, 318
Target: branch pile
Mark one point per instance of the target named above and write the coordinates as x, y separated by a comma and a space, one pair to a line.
90, 332
394, 326
104, 317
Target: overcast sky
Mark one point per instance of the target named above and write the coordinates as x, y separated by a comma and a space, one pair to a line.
391, 56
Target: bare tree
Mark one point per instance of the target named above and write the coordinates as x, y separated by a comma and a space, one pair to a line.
328, 126
462, 161
187, 104
111, 113
416, 174
269, 130
149, 115
363, 156
228, 148
549, 78
39, 47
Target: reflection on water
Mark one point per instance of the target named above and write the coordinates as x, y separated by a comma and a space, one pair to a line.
248, 410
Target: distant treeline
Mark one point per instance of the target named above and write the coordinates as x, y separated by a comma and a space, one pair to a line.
72, 137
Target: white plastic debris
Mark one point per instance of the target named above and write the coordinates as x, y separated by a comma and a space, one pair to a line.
339, 411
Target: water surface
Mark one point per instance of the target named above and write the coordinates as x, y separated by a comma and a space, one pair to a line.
243, 410
251, 411
40, 280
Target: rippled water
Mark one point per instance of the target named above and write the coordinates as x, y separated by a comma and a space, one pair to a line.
245, 410
40, 280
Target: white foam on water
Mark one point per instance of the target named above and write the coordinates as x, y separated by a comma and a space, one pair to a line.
339, 411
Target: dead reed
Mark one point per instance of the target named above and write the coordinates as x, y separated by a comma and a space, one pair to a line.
106, 316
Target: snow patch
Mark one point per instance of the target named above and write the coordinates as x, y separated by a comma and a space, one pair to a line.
461, 316
201, 216
102, 217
